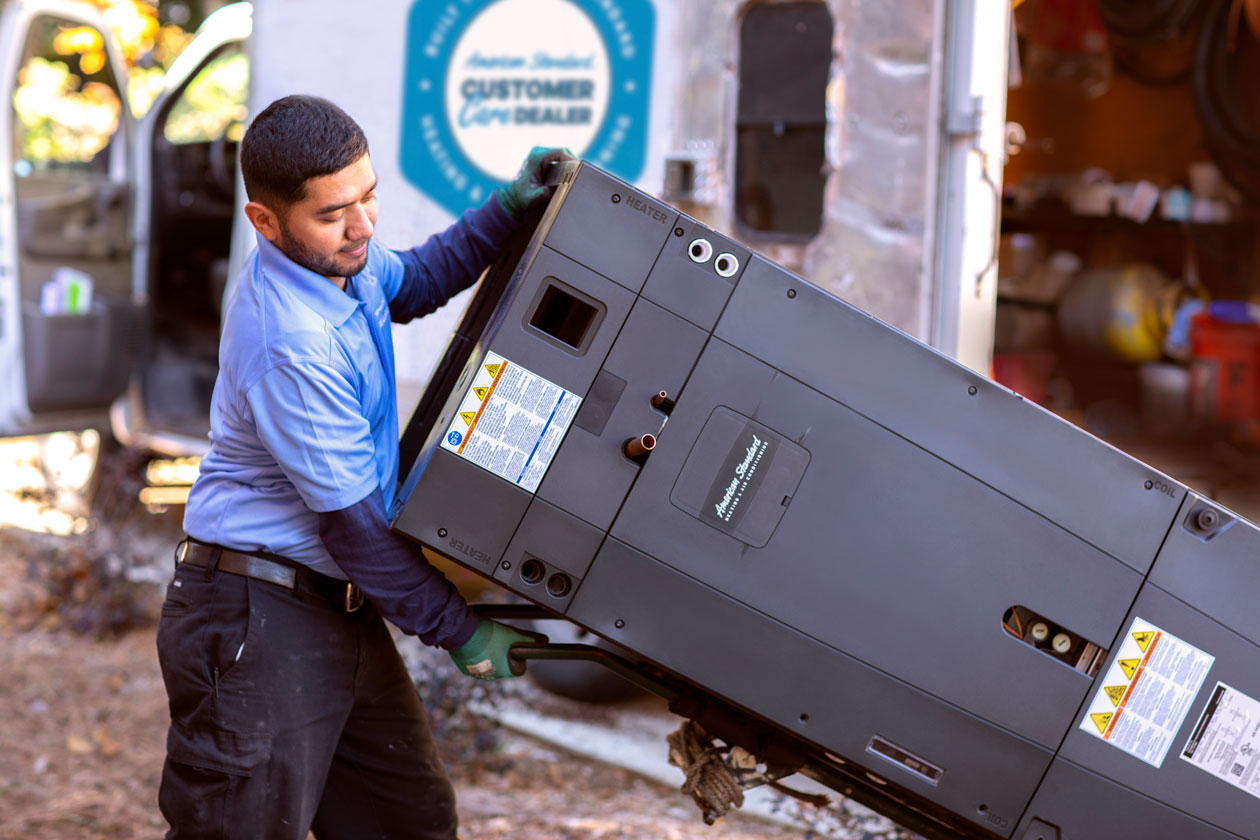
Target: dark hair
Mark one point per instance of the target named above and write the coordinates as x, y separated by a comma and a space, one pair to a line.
293, 140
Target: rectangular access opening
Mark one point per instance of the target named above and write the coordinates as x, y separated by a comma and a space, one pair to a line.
566, 317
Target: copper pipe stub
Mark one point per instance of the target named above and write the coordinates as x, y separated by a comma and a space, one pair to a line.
637, 447
662, 403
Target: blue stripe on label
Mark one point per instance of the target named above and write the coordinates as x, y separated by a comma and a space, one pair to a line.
538, 442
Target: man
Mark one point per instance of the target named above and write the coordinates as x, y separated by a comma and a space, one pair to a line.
290, 707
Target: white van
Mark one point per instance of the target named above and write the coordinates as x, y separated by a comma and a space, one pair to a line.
860, 144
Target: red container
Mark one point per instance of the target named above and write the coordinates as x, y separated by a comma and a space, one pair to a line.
1026, 373
1225, 370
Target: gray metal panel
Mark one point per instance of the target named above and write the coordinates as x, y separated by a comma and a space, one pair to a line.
559, 539
1085, 806
693, 290
887, 553
462, 511
1178, 783
524, 345
656, 350
1084, 485
590, 475
612, 228
1216, 571
806, 688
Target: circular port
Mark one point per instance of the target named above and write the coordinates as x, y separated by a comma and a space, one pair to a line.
533, 571
726, 265
700, 250
559, 585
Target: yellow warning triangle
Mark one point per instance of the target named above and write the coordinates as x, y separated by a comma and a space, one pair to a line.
493, 370
1101, 719
468, 417
1115, 692
1144, 639
1129, 666
481, 392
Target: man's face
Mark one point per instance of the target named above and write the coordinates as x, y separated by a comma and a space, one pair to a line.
328, 230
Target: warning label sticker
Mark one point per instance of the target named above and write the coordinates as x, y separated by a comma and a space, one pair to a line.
1226, 740
511, 422
1145, 695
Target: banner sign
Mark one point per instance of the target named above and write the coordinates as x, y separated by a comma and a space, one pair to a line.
487, 80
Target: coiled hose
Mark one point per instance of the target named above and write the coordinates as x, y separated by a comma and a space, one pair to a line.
1229, 130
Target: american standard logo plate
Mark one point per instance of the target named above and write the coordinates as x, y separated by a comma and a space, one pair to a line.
743, 464
740, 477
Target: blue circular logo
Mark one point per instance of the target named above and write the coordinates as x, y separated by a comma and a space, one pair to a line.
454, 438
486, 80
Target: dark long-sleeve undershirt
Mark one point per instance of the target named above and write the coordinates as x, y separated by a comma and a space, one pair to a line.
450, 261
392, 572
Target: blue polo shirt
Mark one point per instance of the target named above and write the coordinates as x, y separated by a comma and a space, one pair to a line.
304, 414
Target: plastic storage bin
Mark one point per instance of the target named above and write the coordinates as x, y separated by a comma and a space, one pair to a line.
79, 361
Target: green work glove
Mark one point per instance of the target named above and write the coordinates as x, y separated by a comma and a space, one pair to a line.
530, 185
486, 655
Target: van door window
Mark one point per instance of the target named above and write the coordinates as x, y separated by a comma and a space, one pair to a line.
212, 106
780, 125
66, 103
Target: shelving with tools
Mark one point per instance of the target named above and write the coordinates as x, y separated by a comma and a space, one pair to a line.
1129, 264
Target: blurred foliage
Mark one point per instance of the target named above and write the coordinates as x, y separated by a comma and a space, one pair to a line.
68, 101
213, 104
63, 119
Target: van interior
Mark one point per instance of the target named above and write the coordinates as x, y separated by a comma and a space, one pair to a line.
195, 140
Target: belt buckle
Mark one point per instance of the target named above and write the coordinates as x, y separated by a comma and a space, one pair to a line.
181, 551
353, 598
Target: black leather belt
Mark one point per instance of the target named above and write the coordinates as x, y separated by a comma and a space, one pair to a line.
201, 555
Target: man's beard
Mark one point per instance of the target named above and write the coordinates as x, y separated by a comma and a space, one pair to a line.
325, 264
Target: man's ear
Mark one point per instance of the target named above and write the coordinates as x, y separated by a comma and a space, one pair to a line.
264, 220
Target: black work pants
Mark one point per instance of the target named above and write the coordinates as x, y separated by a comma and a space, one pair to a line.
289, 714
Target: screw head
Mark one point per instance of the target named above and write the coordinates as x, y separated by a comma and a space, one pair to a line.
505, 565
678, 231
1206, 519
441, 532
972, 389
616, 199
1148, 484
791, 293
619, 624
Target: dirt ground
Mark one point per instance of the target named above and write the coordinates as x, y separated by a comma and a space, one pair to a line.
84, 718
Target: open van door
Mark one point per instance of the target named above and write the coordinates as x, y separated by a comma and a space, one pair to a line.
71, 316
187, 196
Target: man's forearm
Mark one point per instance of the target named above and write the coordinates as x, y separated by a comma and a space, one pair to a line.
393, 573
451, 261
